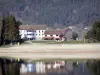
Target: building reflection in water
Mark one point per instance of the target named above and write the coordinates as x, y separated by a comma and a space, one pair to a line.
16, 67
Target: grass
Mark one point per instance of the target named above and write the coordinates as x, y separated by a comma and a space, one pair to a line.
6, 46
69, 42
50, 60
59, 59
8, 57
63, 42
43, 41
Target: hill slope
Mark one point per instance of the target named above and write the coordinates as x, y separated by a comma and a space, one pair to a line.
62, 12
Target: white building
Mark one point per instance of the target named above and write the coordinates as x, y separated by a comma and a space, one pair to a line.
32, 32
58, 34
53, 34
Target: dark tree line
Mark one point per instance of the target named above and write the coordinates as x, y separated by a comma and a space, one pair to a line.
94, 34
9, 30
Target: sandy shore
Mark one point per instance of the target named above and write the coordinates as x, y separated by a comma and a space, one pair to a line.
42, 51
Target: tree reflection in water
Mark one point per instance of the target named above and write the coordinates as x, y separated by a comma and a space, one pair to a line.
9, 68
94, 66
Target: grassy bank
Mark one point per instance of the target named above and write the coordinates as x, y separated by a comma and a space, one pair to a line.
43, 41
6, 46
51, 60
46, 60
55, 42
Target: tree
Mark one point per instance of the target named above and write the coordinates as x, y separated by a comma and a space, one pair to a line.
10, 29
96, 30
18, 23
13, 33
2, 32
74, 35
94, 33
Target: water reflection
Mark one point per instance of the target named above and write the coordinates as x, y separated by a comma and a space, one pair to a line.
9, 67
20, 67
94, 66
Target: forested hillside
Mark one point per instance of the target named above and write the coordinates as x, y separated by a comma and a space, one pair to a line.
52, 12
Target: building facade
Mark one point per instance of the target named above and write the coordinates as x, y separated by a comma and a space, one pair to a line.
58, 34
42, 32
68, 35
32, 32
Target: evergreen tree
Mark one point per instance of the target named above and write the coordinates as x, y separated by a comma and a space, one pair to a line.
96, 30
94, 33
74, 35
18, 23
2, 32
10, 30
6, 29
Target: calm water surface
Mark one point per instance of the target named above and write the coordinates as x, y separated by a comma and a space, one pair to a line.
58, 67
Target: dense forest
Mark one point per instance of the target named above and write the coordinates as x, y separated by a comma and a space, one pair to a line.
52, 12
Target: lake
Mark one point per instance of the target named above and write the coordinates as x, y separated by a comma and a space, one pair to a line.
57, 67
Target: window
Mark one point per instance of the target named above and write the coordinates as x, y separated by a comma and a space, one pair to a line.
31, 38
56, 35
39, 31
45, 35
42, 30
50, 35
29, 34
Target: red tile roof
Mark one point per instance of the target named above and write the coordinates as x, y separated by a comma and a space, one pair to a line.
60, 31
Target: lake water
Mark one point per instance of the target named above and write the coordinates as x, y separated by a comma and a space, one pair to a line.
57, 67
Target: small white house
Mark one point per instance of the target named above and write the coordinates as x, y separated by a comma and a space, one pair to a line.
58, 34
32, 32
54, 34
